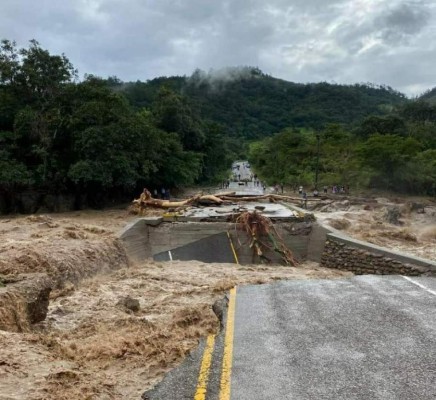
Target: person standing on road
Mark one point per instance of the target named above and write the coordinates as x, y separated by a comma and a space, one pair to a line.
304, 195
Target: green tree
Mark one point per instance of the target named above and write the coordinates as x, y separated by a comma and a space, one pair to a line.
387, 156
390, 124
107, 139
287, 157
339, 164
173, 114
34, 80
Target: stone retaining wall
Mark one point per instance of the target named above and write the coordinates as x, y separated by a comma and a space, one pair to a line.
364, 258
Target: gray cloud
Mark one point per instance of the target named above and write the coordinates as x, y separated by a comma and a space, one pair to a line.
403, 21
408, 17
347, 41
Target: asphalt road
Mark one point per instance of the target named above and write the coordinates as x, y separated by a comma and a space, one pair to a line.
368, 337
241, 170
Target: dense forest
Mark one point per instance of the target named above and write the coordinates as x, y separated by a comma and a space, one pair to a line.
70, 144
67, 143
395, 152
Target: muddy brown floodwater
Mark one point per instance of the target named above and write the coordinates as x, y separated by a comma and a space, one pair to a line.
414, 233
114, 328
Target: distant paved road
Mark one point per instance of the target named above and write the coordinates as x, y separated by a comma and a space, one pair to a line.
245, 173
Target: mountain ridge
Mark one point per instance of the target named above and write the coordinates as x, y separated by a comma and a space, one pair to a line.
251, 104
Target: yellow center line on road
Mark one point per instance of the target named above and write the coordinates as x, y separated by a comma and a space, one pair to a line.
226, 371
233, 248
203, 377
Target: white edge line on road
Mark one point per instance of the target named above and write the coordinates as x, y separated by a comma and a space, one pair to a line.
170, 255
420, 285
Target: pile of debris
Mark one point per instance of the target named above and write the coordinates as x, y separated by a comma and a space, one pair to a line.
146, 200
263, 238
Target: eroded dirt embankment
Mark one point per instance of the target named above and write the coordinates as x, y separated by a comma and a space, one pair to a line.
40, 254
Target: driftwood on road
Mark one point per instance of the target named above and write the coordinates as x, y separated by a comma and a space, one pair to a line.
145, 200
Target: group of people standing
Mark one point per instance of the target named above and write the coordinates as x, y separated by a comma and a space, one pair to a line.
340, 189
335, 189
279, 188
163, 194
225, 184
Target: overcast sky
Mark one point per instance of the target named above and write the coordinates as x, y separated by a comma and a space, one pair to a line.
389, 42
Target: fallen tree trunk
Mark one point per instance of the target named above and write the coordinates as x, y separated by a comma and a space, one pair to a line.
165, 203
250, 198
225, 194
208, 199
145, 200
281, 197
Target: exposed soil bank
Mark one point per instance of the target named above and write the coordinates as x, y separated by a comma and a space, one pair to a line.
39, 254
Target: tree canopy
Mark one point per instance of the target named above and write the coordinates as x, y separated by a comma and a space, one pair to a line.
59, 135
395, 152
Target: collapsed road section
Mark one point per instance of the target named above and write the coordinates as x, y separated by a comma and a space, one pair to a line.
221, 234
242, 225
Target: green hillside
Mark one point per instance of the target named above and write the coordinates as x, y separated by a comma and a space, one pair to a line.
251, 104
429, 96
